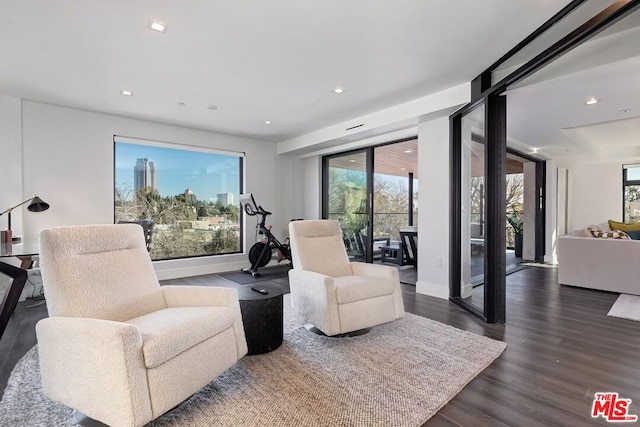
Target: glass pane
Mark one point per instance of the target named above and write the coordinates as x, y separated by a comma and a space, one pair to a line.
520, 174
632, 203
348, 200
633, 173
473, 209
189, 196
393, 165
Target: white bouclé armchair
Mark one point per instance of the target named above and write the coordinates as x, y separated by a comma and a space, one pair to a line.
333, 294
117, 346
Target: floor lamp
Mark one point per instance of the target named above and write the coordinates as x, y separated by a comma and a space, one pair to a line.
36, 205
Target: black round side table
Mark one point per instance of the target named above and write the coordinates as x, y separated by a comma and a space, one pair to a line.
261, 317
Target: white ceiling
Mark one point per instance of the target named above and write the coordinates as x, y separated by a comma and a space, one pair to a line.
277, 60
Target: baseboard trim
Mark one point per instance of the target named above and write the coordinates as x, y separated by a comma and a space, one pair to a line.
165, 272
553, 259
198, 270
431, 289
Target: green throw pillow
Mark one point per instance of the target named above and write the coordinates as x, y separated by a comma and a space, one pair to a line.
613, 225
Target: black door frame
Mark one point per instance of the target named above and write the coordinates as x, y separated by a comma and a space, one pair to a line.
482, 91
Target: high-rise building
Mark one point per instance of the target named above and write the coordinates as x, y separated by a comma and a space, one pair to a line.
189, 196
145, 174
225, 199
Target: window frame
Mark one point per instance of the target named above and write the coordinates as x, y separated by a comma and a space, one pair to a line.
190, 148
628, 183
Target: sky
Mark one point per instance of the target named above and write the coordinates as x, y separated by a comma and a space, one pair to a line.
206, 174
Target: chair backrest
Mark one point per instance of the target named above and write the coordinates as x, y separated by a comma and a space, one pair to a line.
147, 228
317, 245
98, 271
409, 238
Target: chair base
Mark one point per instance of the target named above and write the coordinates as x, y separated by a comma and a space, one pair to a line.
317, 331
85, 421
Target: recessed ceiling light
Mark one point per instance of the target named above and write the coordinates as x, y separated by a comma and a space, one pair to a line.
267, 122
403, 169
159, 27
181, 104
212, 107
626, 110
591, 101
338, 90
408, 151
126, 92
352, 161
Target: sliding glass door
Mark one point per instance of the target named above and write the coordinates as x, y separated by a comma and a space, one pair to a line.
346, 199
473, 214
478, 224
373, 193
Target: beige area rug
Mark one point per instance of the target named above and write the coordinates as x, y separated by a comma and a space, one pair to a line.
399, 374
626, 307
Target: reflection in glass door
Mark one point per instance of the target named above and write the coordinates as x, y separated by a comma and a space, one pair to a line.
473, 221
346, 199
478, 157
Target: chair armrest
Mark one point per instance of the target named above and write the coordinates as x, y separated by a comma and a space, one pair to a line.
81, 359
318, 286
386, 272
208, 296
199, 296
313, 296
375, 270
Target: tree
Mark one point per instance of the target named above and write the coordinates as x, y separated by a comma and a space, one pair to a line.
172, 216
514, 196
391, 204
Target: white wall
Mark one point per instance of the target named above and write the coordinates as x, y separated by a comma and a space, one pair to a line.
433, 212
551, 206
11, 156
530, 203
11, 160
597, 194
312, 187
594, 196
68, 161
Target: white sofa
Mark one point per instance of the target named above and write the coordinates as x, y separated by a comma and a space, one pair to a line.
596, 263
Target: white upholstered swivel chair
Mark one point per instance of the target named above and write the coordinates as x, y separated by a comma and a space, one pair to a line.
117, 346
335, 295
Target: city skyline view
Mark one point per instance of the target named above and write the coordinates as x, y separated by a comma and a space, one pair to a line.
206, 174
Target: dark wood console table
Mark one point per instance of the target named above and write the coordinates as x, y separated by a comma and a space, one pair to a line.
25, 253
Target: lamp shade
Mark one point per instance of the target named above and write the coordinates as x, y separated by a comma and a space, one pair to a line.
37, 205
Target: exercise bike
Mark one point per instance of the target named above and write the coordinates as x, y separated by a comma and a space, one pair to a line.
261, 252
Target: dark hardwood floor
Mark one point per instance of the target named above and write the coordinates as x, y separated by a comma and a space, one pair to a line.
561, 349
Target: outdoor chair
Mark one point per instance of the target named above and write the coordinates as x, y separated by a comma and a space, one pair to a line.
409, 241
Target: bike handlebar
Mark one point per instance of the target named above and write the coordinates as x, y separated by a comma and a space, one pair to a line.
252, 212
